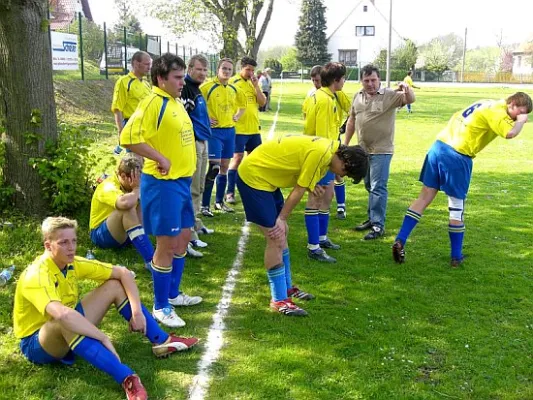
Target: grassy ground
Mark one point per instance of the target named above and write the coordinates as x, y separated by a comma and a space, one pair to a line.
376, 330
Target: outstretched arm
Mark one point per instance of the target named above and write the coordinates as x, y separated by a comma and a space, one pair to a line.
520, 121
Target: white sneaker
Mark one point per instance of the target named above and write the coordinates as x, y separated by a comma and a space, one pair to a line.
198, 243
168, 317
205, 231
185, 300
193, 253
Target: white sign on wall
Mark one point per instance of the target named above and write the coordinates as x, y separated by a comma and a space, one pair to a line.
64, 51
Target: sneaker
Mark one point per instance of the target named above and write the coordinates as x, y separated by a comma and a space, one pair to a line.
456, 262
134, 388
223, 208
364, 226
375, 233
206, 212
230, 198
320, 255
328, 244
341, 213
191, 252
299, 294
168, 317
205, 231
117, 150
198, 243
398, 252
287, 307
184, 300
173, 344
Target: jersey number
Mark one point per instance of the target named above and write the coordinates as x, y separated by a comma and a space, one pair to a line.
470, 110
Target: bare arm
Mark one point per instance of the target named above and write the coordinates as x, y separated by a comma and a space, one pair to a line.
408, 93
279, 230
518, 125
130, 200
239, 114
261, 99
119, 120
146, 151
350, 129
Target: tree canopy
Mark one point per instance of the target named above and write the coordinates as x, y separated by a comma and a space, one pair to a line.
311, 40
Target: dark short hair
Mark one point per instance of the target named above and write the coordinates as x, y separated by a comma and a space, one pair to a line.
248, 61
331, 72
225, 59
197, 57
368, 70
316, 70
521, 99
138, 56
162, 66
355, 160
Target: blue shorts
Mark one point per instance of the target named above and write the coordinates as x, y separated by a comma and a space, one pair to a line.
326, 179
221, 144
101, 237
247, 142
32, 350
261, 207
447, 170
166, 205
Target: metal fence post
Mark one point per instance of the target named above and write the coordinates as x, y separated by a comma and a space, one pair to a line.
176, 48
81, 46
105, 52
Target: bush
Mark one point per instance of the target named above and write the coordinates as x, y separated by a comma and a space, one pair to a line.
65, 170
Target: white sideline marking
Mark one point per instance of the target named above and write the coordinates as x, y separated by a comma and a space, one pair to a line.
270, 135
215, 338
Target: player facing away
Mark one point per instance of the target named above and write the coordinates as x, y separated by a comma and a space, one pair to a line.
115, 219
162, 132
53, 324
297, 162
448, 163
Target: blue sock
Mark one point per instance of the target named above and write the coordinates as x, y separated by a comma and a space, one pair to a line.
409, 222
457, 234
312, 226
96, 354
178, 265
208, 191
278, 286
221, 188
340, 194
232, 173
409, 107
141, 242
162, 278
323, 223
287, 263
154, 333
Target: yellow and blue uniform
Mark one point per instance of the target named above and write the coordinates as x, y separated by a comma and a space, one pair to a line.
128, 93
248, 126
408, 80
282, 163
162, 123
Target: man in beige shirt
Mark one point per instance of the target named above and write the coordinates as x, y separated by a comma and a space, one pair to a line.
373, 116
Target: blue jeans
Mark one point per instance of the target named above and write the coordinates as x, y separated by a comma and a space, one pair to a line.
376, 181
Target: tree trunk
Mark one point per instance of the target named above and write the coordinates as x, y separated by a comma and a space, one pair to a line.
27, 98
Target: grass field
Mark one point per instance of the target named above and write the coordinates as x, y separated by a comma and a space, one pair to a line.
376, 330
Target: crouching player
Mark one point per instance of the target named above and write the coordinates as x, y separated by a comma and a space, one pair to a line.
448, 163
116, 213
54, 325
297, 162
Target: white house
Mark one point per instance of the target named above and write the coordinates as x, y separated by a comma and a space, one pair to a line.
362, 34
523, 58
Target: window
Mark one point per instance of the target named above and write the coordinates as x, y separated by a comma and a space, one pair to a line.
519, 61
365, 8
364, 31
348, 57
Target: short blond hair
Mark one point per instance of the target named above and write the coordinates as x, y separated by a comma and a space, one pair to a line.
52, 224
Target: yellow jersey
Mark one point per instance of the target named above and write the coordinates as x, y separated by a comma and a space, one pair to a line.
322, 117
248, 124
104, 200
408, 80
129, 91
163, 124
287, 162
473, 128
223, 101
343, 103
43, 282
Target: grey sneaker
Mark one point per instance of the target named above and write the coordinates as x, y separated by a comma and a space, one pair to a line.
191, 252
328, 244
320, 255
223, 208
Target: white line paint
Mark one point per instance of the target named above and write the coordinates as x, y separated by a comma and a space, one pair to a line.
215, 338
273, 127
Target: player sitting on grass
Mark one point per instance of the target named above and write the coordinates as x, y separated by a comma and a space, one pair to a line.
54, 325
115, 212
297, 162
448, 163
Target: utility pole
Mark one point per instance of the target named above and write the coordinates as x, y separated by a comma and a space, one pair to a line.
464, 58
390, 44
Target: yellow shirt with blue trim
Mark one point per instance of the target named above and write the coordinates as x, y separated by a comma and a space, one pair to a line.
104, 200
287, 162
223, 102
163, 124
322, 117
248, 124
128, 93
344, 105
43, 282
408, 80
473, 128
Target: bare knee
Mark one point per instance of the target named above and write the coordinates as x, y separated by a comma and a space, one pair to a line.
114, 286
